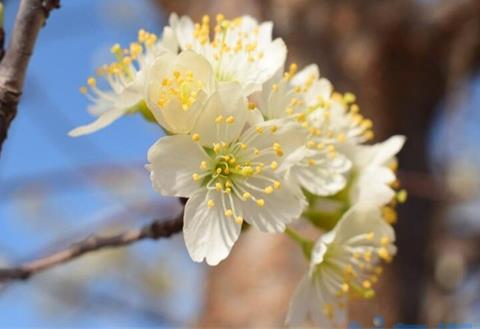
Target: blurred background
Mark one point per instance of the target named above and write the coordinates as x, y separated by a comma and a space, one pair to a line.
413, 65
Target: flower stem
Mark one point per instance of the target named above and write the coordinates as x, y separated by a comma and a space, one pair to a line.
305, 244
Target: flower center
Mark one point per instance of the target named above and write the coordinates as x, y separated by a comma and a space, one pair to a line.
181, 86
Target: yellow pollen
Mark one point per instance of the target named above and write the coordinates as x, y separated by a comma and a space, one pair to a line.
218, 187
354, 108
230, 120
211, 203
311, 162
366, 284
385, 241
345, 287
196, 177
311, 144
228, 212
402, 196
260, 202
219, 119
276, 185
239, 220
259, 130
268, 190
389, 214
349, 98
274, 87
247, 171
91, 82
370, 236
217, 148
252, 106
246, 195
273, 129
195, 137
384, 254
115, 49
274, 165
83, 90
203, 165
220, 18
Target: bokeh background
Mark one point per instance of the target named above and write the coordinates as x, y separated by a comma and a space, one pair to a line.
413, 65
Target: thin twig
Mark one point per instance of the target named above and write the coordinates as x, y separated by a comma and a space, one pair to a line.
155, 230
31, 16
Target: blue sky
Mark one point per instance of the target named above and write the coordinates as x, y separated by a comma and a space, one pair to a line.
44, 197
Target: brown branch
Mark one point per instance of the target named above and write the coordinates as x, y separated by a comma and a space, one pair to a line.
156, 230
31, 16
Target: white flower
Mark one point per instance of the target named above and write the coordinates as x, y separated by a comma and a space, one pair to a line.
229, 175
125, 80
240, 50
316, 167
177, 88
344, 263
372, 171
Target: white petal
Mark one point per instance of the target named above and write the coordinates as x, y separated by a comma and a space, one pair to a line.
101, 122
281, 207
227, 101
303, 75
207, 232
362, 218
173, 160
300, 303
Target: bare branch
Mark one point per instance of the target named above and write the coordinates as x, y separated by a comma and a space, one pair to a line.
156, 230
31, 16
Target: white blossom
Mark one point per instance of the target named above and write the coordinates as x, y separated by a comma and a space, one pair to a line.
228, 173
124, 80
240, 50
344, 263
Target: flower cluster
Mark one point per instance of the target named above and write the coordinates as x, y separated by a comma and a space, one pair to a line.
249, 141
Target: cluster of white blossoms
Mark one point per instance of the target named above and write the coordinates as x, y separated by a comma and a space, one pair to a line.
248, 141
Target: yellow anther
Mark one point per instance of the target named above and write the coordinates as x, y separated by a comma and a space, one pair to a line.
384, 254
195, 137
273, 129
402, 196
252, 106
311, 144
311, 162
274, 165
259, 130
367, 124
354, 108
205, 19
341, 138
83, 90
218, 187
247, 171
246, 195
196, 177
203, 165
211, 203
349, 98
258, 169
91, 82
115, 49
389, 214
378, 270
370, 236
289, 111
268, 189
366, 284
217, 148
243, 146
368, 135
230, 119
274, 87
220, 18
345, 287
228, 212
260, 202
276, 184
219, 119
239, 220
228, 183
385, 241
256, 151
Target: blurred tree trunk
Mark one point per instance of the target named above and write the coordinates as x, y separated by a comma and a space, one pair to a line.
400, 57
